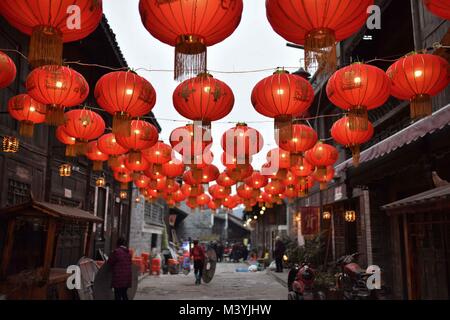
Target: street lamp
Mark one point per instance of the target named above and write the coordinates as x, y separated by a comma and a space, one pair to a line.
350, 216
65, 170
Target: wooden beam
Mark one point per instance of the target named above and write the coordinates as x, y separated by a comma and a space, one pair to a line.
7, 249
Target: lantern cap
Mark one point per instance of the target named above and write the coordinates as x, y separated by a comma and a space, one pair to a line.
205, 75
281, 70
241, 124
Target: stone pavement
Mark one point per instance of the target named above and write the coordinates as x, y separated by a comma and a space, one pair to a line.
226, 285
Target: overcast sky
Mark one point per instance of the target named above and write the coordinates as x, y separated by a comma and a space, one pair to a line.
254, 45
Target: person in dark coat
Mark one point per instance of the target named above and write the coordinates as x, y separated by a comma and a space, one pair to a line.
279, 253
198, 255
219, 252
120, 261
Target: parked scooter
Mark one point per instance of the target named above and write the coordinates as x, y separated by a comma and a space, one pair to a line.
301, 283
352, 280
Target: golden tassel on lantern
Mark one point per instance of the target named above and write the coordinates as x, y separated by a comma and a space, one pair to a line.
421, 106
358, 119
81, 147
97, 165
70, 151
113, 161
46, 47
320, 50
26, 129
190, 57
121, 124
54, 115
321, 171
134, 157
283, 128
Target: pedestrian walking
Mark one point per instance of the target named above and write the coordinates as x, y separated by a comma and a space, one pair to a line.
120, 261
278, 254
219, 252
198, 255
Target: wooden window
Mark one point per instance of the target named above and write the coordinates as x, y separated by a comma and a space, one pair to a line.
153, 213
18, 192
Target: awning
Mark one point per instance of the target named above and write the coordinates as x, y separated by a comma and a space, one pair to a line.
437, 194
419, 129
50, 209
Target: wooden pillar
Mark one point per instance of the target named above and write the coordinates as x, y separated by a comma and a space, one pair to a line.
89, 234
7, 249
49, 248
408, 258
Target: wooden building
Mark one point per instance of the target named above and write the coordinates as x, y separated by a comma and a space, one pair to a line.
404, 166
34, 169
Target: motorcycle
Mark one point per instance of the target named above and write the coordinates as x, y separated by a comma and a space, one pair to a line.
301, 283
352, 280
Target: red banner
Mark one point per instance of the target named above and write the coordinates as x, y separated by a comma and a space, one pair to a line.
310, 220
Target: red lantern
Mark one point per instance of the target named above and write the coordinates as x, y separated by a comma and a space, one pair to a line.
242, 142
142, 182
208, 173
290, 193
190, 141
302, 170
203, 199
218, 191
282, 96
172, 169
231, 202
256, 180
27, 111
57, 87
441, 8
324, 177
240, 173
417, 78
321, 156
84, 125
96, 156
69, 141
280, 160
143, 136
158, 183
125, 95
8, 70
274, 188
159, 154
124, 177
342, 134
204, 23
107, 143
191, 190
303, 138
317, 25
50, 24
306, 184
136, 165
212, 206
290, 180
225, 181
178, 196
119, 164
358, 88
172, 187
203, 98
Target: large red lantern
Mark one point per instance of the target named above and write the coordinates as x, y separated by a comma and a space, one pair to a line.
203, 98
282, 96
158, 154
172, 169
57, 87
358, 88
240, 173
218, 191
324, 177
231, 202
417, 78
136, 165
441, 8
8, 70
204, 23
84, 125
303, 169
96, 156
124, 177
143, 136
190, 141
125, 95
69, 141
208, 173
50, 23
27, 111
256, 180
321, 156
142, 182
225, 181
303, 138
352, 139
242, 142
274, 188
107, 143
317, 25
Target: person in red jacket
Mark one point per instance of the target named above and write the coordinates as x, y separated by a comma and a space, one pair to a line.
198, 255
120, 261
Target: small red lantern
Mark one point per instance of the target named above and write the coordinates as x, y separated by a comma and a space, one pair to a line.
136, 165
124, 177
242, 142
172, 169
256, 180
352, 139
119, 164
303, 138
441, 8
69, 141
141, 181
96, 156
205, 23
178, 196
417, 78
107, 143
84, 125
290, 180
358, 88
324, 178
321, 156
190, 141
125, 95
213, 206
51, 23
8, 70
203, 98
239, 173
282, 96
159, 154
274, 188
280, 160
317, 25
27, 111
203, 199
218, 191
225, 181
57, 87
192, 190
302, 170
143, 136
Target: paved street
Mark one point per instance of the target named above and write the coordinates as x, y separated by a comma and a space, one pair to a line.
227, 284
